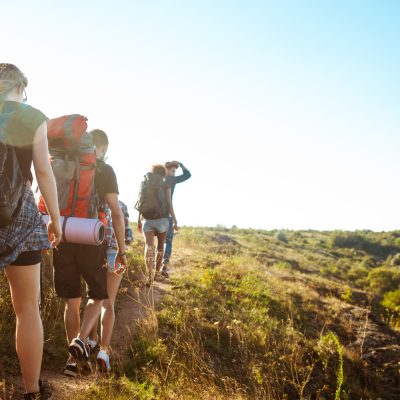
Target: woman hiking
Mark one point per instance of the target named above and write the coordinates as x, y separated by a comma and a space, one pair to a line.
155, 206
23, 140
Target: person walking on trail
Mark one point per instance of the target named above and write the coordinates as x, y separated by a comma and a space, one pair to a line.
114, 276
23, 235
155, 206
172, 180
75, 260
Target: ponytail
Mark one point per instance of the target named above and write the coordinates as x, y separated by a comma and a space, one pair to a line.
10, 77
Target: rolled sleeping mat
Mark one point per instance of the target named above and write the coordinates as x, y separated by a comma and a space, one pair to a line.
81, 230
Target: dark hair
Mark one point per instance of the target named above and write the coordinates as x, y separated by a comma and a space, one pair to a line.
159, 169
171, 164
99, 137
11, 77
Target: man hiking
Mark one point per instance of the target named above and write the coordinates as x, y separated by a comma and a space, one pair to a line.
75, 260
171, 180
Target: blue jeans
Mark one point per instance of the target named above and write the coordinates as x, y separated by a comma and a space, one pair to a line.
168, 240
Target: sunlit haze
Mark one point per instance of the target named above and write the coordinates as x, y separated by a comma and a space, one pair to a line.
285, 112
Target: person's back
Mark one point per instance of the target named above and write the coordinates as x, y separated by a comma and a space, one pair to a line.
23, 236
72, 262
154, 206
152, 199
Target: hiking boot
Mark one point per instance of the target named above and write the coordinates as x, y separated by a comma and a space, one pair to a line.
164, 273
79, 352
71, 370
43, 394
103, 361
158, 276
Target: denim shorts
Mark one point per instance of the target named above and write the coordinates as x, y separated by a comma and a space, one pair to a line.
111, 253
156, 225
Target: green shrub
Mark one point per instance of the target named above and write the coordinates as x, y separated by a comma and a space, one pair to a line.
384, 279
394, 260
347, 295
391, 301
359, 241
281, 236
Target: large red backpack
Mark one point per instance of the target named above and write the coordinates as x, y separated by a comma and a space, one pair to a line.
73, 159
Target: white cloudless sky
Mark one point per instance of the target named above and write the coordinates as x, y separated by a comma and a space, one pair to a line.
286, 113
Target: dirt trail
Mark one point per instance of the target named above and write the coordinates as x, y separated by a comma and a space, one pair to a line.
132, 307
378, 346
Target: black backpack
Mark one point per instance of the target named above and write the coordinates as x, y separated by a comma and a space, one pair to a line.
12, 182
152, 200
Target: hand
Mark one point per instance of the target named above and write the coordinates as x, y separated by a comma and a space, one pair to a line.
124, 261
120, 264
176, 227
54, 232
179, 163
139, 226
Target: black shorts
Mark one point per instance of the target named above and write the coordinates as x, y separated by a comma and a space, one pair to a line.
71, 261
28, 258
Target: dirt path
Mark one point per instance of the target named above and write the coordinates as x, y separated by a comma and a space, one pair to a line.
132, 307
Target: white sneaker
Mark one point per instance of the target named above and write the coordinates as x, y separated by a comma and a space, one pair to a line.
103, 361
79, 352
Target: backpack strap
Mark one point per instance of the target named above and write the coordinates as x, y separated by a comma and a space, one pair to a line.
63, 229
76, 185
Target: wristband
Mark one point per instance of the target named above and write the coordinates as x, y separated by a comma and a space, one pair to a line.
121, 254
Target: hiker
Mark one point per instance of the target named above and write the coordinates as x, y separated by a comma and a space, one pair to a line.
75, 260
114, 277
172, 180
155, 206
23, 235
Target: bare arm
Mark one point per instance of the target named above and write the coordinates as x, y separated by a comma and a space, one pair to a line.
171, 208
46, 182
139, 223
118, 223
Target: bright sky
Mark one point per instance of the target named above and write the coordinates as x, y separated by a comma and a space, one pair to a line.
287, 113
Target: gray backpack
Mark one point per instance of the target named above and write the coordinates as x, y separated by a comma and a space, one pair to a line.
11, 180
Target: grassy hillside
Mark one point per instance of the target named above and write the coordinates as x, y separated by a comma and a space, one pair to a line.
254, 315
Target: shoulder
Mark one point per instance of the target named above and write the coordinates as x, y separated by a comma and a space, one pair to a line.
104, 169
106, 180
23, 122
31, 117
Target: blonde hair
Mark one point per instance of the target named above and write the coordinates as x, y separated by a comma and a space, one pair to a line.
159, 169
10, 77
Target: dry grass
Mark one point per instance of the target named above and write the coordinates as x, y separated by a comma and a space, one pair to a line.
248, 316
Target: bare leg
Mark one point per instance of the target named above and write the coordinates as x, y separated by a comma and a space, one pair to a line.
24, 284
90, 317
107, 312
93, 335
149, 252
72, 318
160, 250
